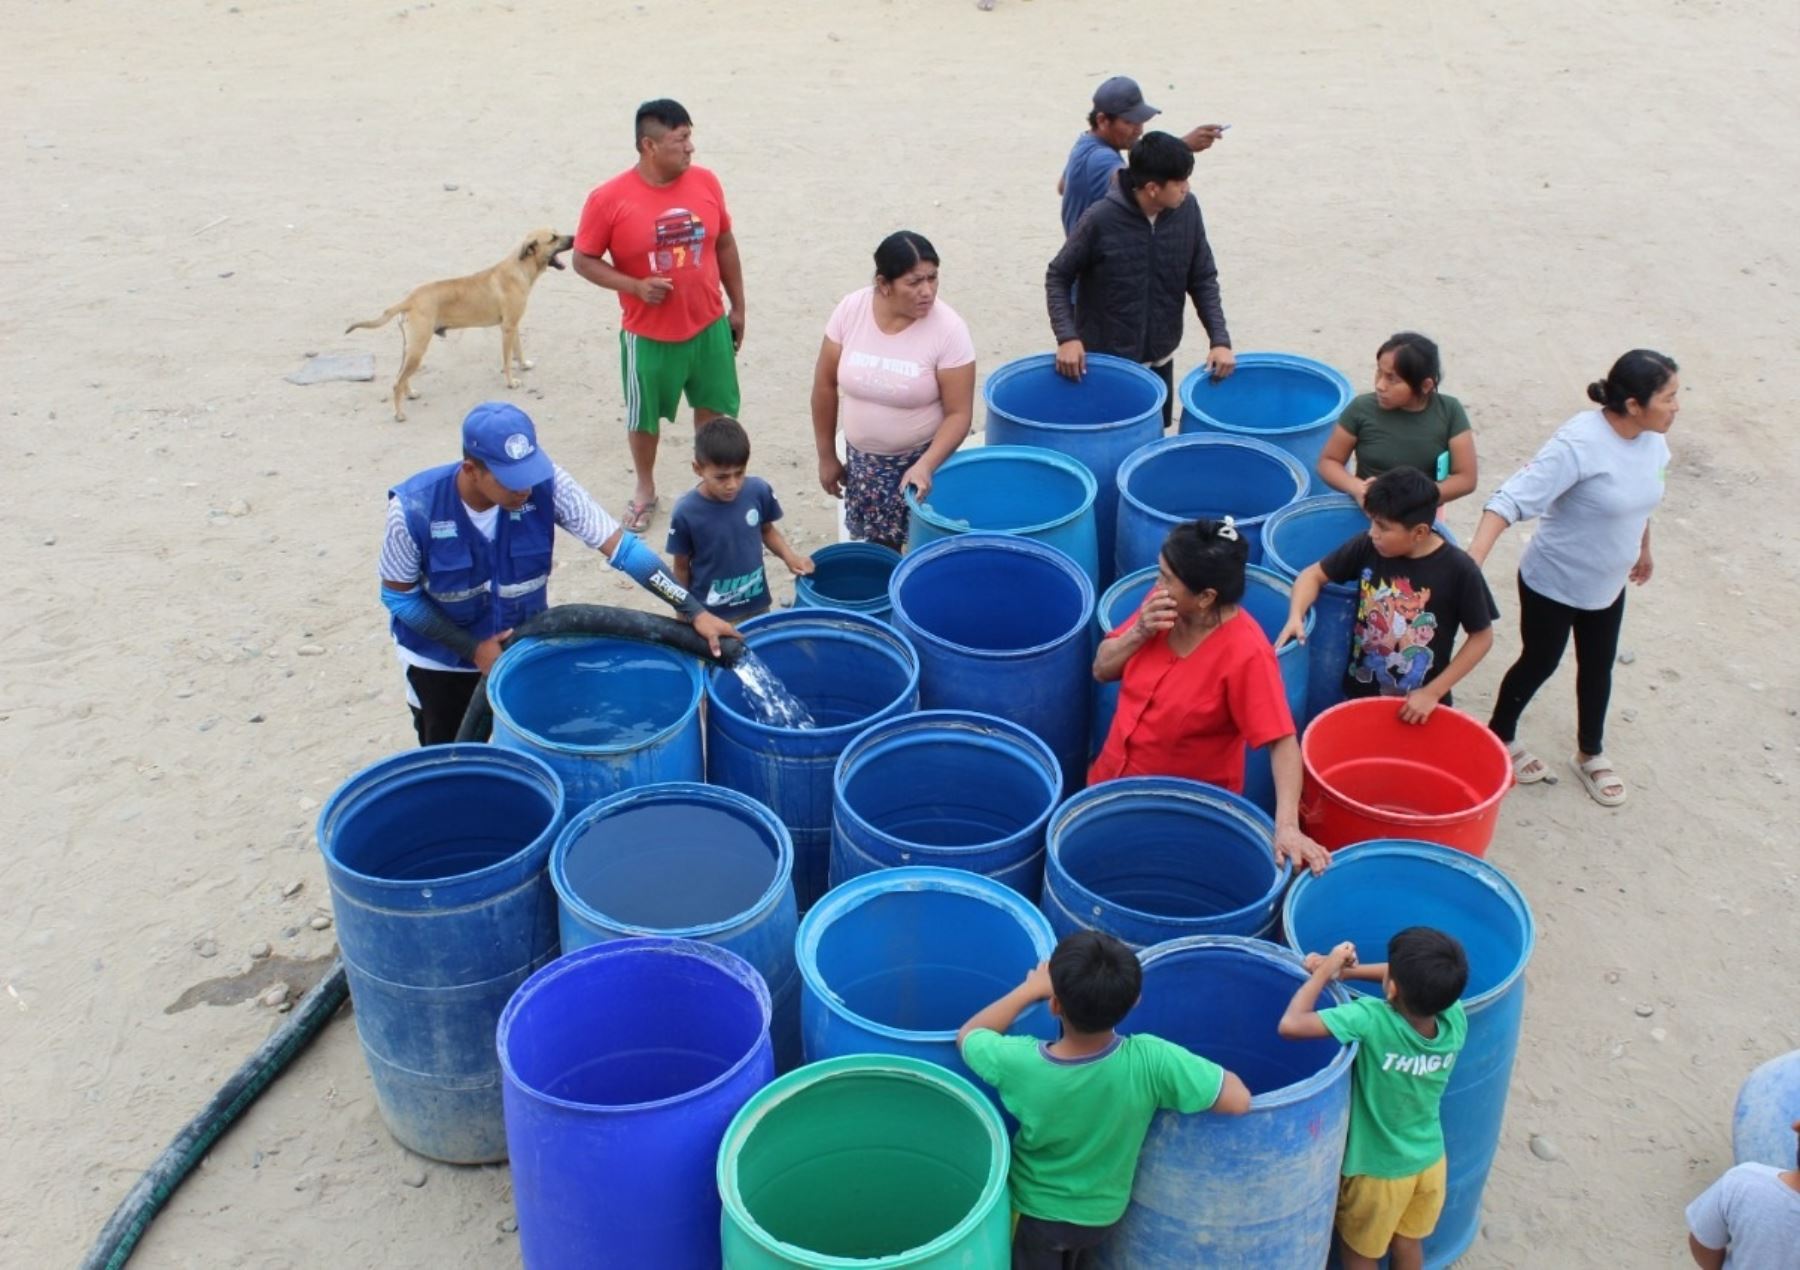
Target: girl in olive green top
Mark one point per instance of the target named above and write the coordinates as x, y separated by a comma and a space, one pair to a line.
1405, 422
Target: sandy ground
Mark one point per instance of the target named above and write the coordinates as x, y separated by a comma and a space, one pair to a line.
198, 194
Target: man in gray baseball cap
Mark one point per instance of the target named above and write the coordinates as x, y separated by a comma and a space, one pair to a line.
1114, 125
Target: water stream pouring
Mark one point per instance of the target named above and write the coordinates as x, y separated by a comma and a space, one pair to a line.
773, 702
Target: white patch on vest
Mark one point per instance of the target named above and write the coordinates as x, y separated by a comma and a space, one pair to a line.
443, 529
518, 445
752, 516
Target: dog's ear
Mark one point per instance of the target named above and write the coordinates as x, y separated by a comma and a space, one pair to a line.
528, 250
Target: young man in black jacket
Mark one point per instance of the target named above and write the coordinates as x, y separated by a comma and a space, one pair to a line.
1138, 254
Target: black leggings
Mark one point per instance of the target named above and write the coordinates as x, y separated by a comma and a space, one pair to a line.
1544, 627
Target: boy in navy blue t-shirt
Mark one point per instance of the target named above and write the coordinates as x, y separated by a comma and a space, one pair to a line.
719, 528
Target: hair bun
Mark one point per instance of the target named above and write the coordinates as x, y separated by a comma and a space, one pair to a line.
1597, 392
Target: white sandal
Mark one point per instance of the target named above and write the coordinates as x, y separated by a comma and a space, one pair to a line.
1588, 774
1522, 759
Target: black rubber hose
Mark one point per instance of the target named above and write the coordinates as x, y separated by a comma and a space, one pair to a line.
596, 619
132, 1217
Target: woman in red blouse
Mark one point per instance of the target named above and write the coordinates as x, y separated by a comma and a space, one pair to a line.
1199, 682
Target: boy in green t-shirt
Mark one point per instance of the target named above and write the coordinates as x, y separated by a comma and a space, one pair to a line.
1084, 1102
1393, 1184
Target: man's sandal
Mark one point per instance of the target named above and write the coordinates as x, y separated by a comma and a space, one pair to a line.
637, 515
1528, 768
1599, 779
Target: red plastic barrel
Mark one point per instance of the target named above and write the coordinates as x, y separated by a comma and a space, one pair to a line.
1368, 775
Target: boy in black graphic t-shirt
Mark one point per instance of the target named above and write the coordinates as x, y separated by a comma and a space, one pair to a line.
1415, 590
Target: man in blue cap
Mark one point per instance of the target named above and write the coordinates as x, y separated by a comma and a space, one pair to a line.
466, 557
1114, 125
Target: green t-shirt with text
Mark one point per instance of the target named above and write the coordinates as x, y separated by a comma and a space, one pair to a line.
1387, 439
1396, 1086
1082, 1122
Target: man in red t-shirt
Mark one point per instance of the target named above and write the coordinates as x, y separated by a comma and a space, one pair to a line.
663, 227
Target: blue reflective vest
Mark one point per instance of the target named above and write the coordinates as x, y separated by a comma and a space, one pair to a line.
483, 586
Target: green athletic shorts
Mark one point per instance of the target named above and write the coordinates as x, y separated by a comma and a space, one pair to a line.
657, 372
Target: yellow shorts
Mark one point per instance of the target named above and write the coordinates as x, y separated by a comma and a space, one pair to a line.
1372, 1210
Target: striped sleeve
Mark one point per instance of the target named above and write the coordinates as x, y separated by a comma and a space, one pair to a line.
399, 553
577, 512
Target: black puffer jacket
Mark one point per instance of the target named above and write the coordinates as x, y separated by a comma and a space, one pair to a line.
1134, 276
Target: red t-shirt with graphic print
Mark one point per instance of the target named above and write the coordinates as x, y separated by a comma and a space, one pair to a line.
1192, 716
671, 231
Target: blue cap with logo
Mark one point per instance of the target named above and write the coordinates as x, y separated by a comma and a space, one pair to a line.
502, 437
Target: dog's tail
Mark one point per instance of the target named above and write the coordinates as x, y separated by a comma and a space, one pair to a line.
374, 322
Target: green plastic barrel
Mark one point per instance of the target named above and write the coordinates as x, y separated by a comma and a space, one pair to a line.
871, 1161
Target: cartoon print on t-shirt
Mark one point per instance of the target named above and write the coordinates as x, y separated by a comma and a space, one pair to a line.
1394, 630
680, 241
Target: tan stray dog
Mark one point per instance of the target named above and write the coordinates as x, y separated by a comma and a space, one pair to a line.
493, 297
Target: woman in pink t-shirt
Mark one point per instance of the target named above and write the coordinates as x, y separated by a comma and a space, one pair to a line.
897, 371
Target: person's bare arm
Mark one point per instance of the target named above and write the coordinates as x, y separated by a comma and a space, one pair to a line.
1301, 1021
1421, 701
1487, 533
1334, 463
999, 1015
652, 290
683, 569
956, 386
1292, 842
731, 274
1704, 1257
1157, 615
1303, 593
825, 416
1234, 1097
777, 542
1463, 468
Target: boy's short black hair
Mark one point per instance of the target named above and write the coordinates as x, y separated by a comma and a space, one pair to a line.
1157, 156
1428, 968
722, 442
1403, 495
1096, 979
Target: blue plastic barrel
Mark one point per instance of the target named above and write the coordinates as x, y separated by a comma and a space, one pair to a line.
849, 575
1202, 477
1152, 858
607, 714
1011, 489
1375, 889
1297, 537
436, 863
1762, 1121
625, 1062
948, 788
1266, 597
895, 962
1002, 626
1253, 1190
1115, 408
849, 671
691, 862
1282, 398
